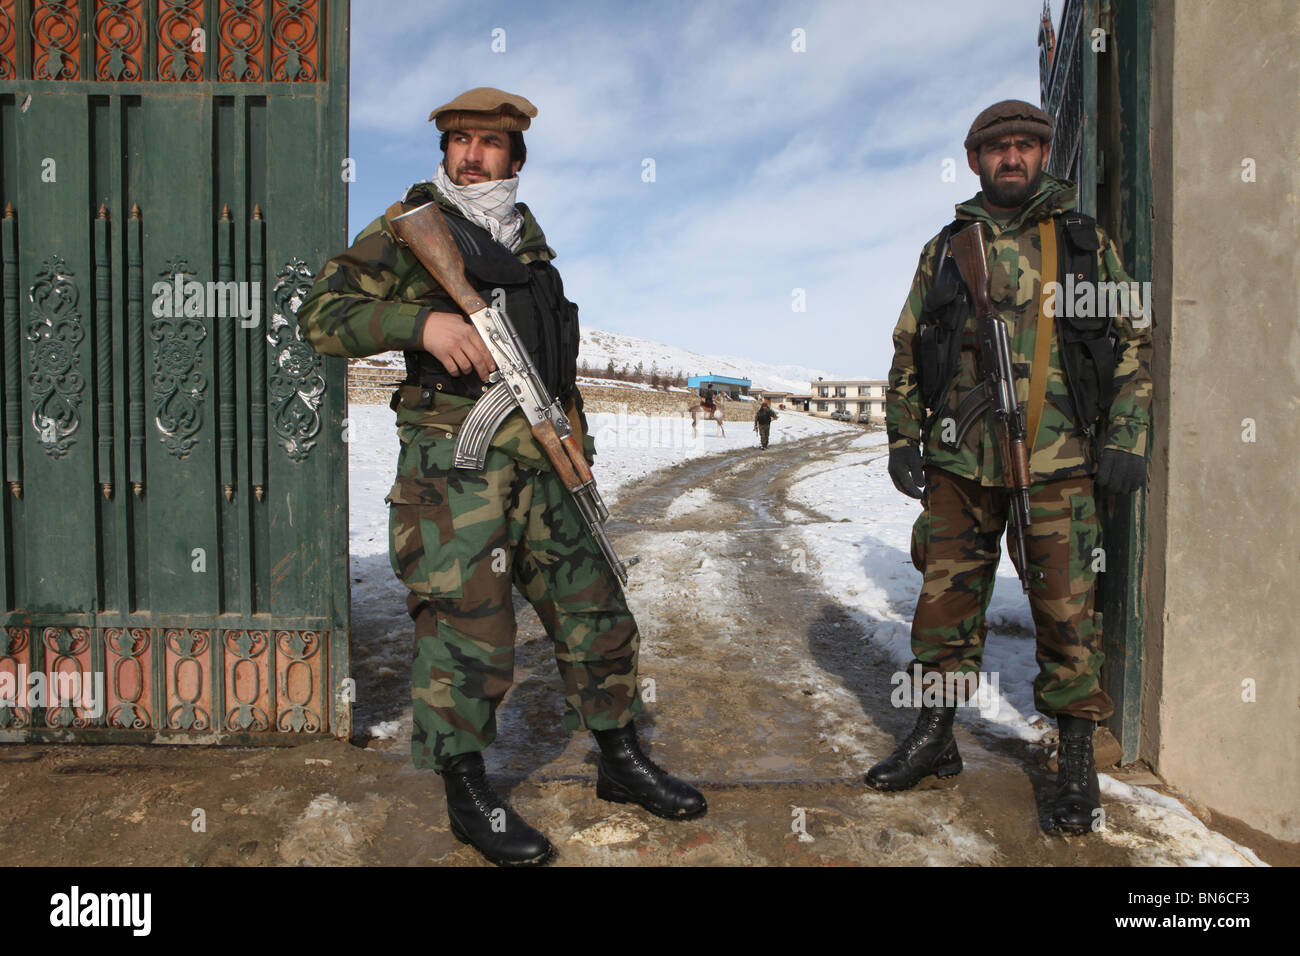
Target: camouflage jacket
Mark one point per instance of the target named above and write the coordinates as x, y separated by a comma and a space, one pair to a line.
764, 415
1062, 450
375, 297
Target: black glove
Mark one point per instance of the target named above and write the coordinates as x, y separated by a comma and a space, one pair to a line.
1121, 473
905, 470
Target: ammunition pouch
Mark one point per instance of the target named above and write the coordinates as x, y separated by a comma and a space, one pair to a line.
1087, 343
938, 340
404, 397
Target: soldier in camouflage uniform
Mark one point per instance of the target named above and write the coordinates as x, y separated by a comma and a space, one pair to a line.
763, 421
459, 538
1088, 427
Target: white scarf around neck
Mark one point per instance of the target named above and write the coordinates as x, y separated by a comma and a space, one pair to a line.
490, 204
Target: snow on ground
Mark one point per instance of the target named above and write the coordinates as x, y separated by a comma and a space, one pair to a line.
372, 464
863, 557
629, 446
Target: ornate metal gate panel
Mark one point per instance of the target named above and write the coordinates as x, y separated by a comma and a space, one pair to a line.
1095, 79
174, 516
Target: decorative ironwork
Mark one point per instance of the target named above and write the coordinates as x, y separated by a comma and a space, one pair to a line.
13, 374
257, 273
67, 644
244, 684
239, 33
178, 20
119, 40
224, 333
14, 712
295, 385
104, 353
1063, 96
187, 675
8, 41
178, 384
294, 33
129, 675
54, 334
135, 352
56, 32
296, 648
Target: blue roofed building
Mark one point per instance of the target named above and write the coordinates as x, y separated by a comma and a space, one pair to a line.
734, 387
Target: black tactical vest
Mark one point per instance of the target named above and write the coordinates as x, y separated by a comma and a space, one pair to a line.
1087, 345
532, 297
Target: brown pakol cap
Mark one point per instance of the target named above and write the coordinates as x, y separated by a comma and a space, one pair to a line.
1009, 116
485, 108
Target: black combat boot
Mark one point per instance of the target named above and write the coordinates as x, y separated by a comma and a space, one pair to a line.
929, 749
1076, 808
626, 775
472, 805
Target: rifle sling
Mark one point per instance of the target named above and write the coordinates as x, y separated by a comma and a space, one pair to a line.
1042, 337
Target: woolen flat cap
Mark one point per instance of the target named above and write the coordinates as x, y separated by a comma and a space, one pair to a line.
485, 108
1009, 116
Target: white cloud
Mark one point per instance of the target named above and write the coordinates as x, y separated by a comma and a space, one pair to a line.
775, 169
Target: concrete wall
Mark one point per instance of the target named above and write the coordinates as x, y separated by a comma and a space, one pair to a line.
1225, 532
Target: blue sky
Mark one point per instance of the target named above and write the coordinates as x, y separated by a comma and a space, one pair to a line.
775, 170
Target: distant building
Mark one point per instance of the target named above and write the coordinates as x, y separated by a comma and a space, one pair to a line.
854, 395
734, 387
779, 399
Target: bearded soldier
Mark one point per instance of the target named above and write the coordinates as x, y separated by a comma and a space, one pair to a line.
1084, 382
460, 537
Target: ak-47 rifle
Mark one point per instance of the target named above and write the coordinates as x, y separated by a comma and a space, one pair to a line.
515, 383
997, 390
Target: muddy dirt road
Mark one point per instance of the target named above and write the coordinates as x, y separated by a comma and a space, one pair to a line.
765, 693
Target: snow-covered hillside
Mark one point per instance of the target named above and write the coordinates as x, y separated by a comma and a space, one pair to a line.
599, 347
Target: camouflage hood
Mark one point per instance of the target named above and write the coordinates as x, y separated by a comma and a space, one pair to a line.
1053, 196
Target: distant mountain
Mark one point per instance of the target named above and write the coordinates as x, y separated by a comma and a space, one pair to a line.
599, 347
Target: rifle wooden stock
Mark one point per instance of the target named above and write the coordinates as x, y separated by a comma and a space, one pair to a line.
549, 439
425, 233
573, 445
968, 252
1018, 458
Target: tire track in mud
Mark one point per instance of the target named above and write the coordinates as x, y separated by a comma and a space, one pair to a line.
768, 695
748, 617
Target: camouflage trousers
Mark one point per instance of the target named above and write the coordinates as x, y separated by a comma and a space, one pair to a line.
764, 429
458, 540
955, 544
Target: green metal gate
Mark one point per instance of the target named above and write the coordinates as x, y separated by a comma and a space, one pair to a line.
174, 517
1095, 76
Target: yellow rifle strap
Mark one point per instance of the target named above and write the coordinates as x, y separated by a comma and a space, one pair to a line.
1043, 335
